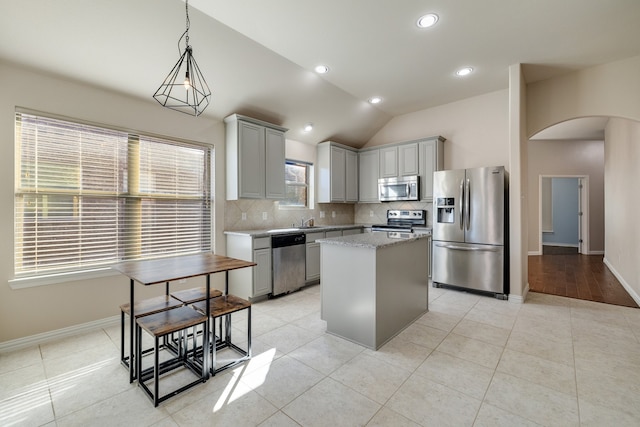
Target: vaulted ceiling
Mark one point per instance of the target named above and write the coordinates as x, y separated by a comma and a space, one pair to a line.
258, 56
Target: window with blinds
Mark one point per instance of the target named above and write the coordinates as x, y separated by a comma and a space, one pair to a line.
87, 196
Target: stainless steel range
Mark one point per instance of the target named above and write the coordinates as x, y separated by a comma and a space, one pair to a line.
402, 220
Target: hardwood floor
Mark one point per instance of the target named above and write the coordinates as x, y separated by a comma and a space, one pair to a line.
576, 276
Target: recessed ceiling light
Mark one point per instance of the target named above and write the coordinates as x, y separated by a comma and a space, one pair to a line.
464, 71
321, 69
308, 127
427, 20
375, 100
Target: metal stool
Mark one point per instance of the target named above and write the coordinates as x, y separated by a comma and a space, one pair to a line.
193, 295
160, 325
143, 308
224, 307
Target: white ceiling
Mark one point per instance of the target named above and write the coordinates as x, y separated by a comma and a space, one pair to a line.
258, 55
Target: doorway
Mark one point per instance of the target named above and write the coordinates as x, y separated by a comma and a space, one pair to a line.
563, 214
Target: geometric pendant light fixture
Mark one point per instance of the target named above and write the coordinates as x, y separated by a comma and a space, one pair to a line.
184, 89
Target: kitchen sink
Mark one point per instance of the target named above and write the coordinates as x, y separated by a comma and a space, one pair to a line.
306, 227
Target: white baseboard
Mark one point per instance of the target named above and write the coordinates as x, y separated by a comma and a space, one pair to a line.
38, 339
520, 299
623, 282
535, 253
564, 245
596, 253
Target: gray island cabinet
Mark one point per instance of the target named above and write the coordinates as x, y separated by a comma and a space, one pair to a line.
373, 285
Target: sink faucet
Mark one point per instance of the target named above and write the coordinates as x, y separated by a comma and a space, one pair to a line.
308, 222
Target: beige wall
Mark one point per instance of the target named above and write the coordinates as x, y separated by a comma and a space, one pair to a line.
568, 158
476, 130
622, 204
30, 311
611, 89
518, 266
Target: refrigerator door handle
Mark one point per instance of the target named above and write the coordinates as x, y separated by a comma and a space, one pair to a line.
466, 248
467, 208
462, 205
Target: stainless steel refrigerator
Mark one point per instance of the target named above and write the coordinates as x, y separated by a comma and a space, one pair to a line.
470, 230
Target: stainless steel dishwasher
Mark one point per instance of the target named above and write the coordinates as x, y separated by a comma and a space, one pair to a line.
289, 257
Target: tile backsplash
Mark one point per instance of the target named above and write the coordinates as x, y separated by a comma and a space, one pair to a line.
376, 213
249, 214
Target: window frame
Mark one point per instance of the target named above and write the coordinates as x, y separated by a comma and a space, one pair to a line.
103, 269
307, 185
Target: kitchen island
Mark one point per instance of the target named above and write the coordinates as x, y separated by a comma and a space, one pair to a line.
373, 285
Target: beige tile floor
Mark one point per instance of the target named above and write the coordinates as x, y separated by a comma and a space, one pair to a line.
471, 361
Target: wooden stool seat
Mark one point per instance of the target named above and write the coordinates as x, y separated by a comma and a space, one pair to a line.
190, 296
223, 305
158, 325
144, 308
221, 308
151, 305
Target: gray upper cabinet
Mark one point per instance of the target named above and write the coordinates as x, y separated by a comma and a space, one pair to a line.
255, 159
337, 173
275, 155
351, 183
369, 166
431, 154
399, 160
408, 159
389, 162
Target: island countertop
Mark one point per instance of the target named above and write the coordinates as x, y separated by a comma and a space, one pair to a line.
374, 240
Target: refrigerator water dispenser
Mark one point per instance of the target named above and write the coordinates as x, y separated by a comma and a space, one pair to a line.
445, 210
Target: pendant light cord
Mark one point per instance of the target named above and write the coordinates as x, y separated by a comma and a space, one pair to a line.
186, 32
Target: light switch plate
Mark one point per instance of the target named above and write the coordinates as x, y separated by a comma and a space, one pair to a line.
264, 216
244, 216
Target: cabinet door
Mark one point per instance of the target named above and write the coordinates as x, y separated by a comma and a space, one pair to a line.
368, 173
351, 176
262, 272
430, 161
334, 233
389, 162
275, 160
338, 174
408, 159
351, 231
251, 158
313, 261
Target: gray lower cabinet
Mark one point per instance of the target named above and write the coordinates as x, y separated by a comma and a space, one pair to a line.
313, 256
250, 283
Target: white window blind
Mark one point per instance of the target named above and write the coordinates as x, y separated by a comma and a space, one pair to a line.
87, 196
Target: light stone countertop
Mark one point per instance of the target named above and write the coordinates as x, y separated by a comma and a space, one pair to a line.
375, 240
265, 232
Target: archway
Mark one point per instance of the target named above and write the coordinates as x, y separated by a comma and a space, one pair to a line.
576, 154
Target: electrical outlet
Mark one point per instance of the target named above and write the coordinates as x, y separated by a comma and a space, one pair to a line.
182, 281
333, 214
371, 214
244, 216
264, 216
321, 214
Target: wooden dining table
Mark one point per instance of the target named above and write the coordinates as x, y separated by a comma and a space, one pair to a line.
167, 270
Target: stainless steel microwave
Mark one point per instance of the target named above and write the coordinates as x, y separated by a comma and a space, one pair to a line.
402, 188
